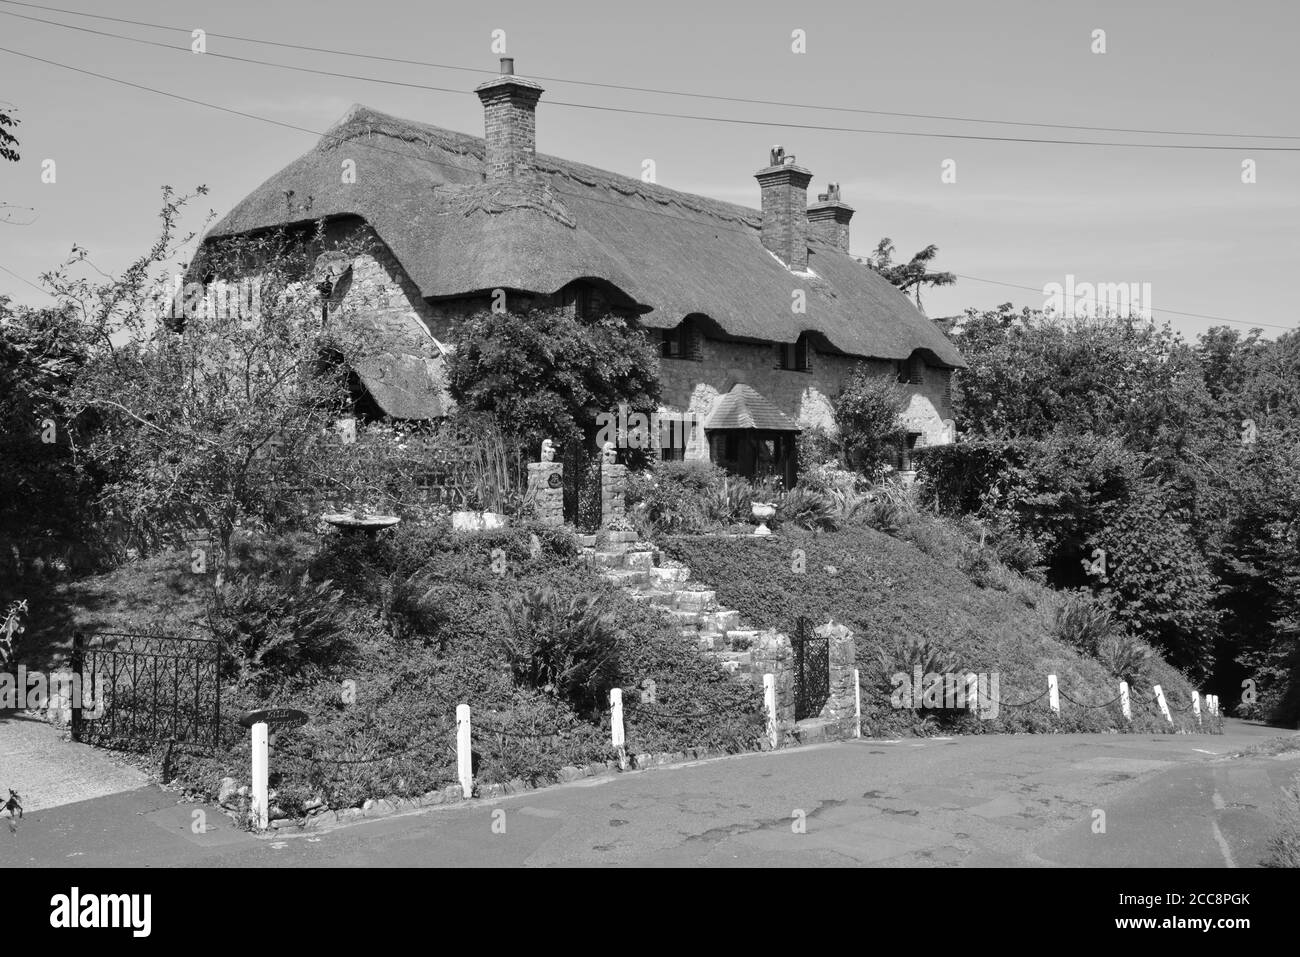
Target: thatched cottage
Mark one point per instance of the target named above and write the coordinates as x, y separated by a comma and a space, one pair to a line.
761, 313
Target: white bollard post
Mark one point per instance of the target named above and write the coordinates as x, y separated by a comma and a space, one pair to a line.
769, 703
1053, 695
1124, 704
261, 807
616, 721
464, 751
1160, 700
857, 704
1196, 706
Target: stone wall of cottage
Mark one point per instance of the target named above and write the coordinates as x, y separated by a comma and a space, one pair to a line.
382, 305
385, 306
384, 301
690, 385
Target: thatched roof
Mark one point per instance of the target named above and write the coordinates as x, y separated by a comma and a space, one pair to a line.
744, 407
422, 189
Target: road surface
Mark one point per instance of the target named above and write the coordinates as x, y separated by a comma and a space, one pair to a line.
1016, 800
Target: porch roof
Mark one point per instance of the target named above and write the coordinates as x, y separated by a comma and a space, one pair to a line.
744, 407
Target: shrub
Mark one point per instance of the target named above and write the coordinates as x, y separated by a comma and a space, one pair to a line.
1125, 657
816, 447
977, 565
562, 646
1157, 580
891, 507
271, 629
867, 414
688, 498
805, 509
1083, 622
849, 507
906, 656
1018, 553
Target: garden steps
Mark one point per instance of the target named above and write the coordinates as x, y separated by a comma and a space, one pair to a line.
694, 600
685, 618
671, 573
626, 577
644, 573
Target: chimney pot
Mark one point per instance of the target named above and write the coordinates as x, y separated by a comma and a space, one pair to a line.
828, 218
784, 186
510, 125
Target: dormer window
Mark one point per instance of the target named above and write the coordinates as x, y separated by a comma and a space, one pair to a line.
681, 342
794, 356
911, 370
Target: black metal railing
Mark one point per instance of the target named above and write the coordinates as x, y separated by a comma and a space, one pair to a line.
138, 689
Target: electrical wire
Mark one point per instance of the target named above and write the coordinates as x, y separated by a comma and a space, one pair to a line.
641, 89
584, 197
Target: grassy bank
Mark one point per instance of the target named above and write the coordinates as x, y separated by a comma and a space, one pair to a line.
906, 606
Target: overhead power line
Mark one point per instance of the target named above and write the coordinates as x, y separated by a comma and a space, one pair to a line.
1171, 312
667, 114
585, 197
24, 279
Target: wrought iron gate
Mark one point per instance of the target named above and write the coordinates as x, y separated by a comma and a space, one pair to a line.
140, 689
812, 670
582, 491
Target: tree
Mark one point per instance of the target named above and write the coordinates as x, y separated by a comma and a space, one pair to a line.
912, 275
545, 373
43, 495
867, 411
214, 408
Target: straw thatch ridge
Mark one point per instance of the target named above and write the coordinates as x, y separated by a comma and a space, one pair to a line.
422, 190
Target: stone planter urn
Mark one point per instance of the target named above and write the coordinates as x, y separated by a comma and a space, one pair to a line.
763, 511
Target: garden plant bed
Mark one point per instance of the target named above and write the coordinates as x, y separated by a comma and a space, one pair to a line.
895, 596
379, 639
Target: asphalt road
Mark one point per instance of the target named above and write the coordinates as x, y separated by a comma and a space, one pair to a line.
1023, 800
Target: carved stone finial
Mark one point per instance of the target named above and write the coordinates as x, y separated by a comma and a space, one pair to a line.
548, 450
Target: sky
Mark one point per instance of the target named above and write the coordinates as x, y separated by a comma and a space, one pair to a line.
1019, 215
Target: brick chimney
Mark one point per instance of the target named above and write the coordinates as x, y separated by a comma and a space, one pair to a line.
510, 123
785, 214
828, 218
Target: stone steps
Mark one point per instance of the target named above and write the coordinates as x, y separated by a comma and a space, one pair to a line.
745, 654
642, 572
